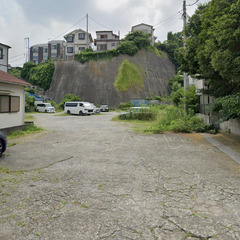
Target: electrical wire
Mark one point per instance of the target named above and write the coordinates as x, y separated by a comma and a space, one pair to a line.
189, 5
168, 18
16, 56
69, 29
99, 23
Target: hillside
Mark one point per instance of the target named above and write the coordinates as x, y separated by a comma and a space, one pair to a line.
94, 81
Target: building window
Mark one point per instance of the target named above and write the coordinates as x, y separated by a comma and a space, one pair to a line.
113, 44
70, 38
81, 36
70, 50
1, 53
81, 48
54, 46
35, 49
45, 50
9, 104
102, 47
103, 36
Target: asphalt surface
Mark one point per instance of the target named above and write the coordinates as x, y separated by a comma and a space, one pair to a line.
92, 178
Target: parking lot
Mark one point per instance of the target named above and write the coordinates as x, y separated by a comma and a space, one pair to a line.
87, 177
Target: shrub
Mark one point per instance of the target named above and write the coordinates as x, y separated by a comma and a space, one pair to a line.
68, 98
125, 105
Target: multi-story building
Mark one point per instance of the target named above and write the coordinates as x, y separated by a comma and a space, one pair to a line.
52, 50
76, 41
106, 40
4, 57
146, 29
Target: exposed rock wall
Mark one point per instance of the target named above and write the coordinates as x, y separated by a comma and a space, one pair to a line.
93, 81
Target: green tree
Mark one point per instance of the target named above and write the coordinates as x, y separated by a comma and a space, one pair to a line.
171, 46
140, 39
42, 74
26, 69
213, 46
128, 47
15, 71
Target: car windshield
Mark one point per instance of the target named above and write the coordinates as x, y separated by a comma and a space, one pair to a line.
87, 105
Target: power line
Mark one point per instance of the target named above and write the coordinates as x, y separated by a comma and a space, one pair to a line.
99, 23
69, 28
16, 56
189, 5
168, 19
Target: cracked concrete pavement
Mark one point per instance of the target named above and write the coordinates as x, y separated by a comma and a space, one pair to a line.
91, 178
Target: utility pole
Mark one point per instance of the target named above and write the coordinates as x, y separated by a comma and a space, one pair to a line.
87, 32
27, 49
184, 46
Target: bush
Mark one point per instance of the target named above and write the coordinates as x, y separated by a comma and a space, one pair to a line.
68, 98
125, 106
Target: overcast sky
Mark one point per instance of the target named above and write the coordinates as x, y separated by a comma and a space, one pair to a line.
44, 20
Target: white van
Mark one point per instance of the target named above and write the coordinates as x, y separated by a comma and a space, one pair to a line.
79, 108
45, 107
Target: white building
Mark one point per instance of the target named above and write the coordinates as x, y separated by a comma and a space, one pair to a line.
147, 29
52, 50
106, 40
4, 57
76, 41
12, 101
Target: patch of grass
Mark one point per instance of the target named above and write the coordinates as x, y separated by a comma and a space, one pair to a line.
26, 130
28, 117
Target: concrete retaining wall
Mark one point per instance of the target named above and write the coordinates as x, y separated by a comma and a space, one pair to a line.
231, 126
94, 80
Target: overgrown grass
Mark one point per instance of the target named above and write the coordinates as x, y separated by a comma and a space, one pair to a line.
171, 118
26, 130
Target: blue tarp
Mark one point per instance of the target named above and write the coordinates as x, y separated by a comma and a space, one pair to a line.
138, 101
36, 97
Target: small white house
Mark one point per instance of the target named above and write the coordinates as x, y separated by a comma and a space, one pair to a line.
106, 40
4, 57
12, 101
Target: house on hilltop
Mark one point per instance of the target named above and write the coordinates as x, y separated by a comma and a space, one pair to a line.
147, 29
52, 50
106, 40
76, 41
4, 57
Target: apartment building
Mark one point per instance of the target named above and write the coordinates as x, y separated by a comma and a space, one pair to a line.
76, 41
146, 29
4, 57
106, 40
53, 50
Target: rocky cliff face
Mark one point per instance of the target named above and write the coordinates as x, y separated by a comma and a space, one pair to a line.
93, 81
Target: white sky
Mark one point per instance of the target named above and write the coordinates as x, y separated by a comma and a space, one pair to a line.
44, 20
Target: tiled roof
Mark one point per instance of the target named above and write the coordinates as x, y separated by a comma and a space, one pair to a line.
8, 78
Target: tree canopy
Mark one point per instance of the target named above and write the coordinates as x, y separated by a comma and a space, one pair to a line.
213, 46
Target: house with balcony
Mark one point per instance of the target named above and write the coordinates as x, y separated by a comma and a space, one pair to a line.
76, 41
147, 29
4, 57
52, 50
106, 40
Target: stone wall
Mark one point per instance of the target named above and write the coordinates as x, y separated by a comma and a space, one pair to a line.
93, 81
231, 126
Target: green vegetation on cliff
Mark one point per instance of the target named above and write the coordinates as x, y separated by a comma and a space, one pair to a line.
129, 77
130, 45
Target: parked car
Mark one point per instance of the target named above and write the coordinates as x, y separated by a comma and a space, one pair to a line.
95, 109
104, 108
45, 107
79, 108
3, 143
